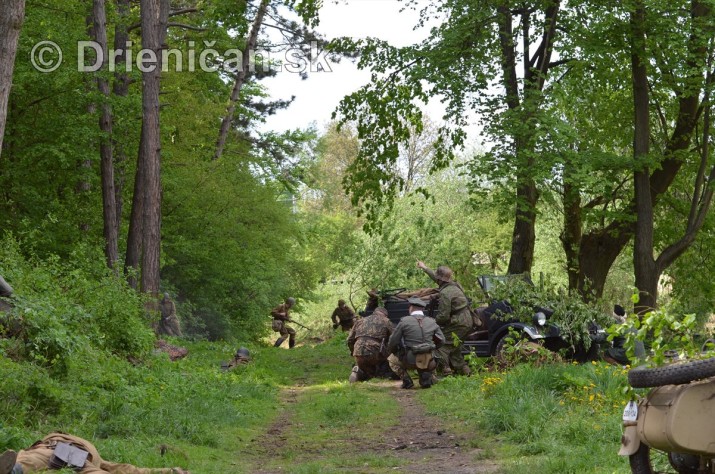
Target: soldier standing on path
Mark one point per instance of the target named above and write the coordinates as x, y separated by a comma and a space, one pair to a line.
412, 345
368, 344
344, 316
281, 315
453, 316
60, 450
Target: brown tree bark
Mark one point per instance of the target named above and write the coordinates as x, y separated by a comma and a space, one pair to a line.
136, 219
643, 261
600, 248
12, 14
251, 42
535, 74
120, 89
99, 31
571, 233
154, 16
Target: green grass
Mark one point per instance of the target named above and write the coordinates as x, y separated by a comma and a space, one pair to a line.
558, 418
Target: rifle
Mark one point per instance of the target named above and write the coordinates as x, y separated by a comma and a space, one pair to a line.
298, 324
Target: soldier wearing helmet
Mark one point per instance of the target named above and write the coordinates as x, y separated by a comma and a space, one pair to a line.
344, 316
453, 316
242, 357
281, 315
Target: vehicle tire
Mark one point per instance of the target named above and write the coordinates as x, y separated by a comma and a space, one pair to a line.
640, 461
499, 348
672, 374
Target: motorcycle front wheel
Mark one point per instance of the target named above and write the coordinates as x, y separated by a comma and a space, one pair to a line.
652, 461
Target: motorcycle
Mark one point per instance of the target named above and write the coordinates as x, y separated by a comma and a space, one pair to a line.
672, 429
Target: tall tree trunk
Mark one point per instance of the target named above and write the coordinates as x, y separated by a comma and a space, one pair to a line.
240, 78
524, 234
535, 74
571, 233
136, 219
99, 21
600, 248
12, 14
643, 261
154, 14
120, 89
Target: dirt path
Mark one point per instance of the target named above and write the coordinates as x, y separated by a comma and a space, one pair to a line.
422, 442
426, 444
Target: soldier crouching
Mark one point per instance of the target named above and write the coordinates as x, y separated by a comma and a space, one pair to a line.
413, 343
368, 344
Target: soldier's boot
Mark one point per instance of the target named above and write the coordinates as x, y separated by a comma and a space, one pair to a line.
354, 375
407, 382
425, 379
7, 463
466, 371
291, 343
279, 342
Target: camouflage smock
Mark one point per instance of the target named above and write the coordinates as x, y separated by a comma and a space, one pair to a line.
367, 335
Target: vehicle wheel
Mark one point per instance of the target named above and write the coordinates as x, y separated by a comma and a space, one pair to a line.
640, 461
672, 374
647, 461
499, 348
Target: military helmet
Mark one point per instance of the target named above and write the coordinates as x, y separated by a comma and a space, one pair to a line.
243, 352
380, 309
290, 301
444, 273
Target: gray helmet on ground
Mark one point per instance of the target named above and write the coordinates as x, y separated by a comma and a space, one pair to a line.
243, 352
290, 301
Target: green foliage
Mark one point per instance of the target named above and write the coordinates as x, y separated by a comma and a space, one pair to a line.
571, 315
62, 307
667, 334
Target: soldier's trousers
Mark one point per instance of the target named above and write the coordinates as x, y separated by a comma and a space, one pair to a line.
449, 354
400, 366
368, 365
37, 458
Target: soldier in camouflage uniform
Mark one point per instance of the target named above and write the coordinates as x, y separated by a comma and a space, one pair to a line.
453, 317
281, 315
368, 344
344, 316
46, 454
169, 323
372, 300
415, 330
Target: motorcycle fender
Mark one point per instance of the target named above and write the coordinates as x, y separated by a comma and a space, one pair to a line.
630, 442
